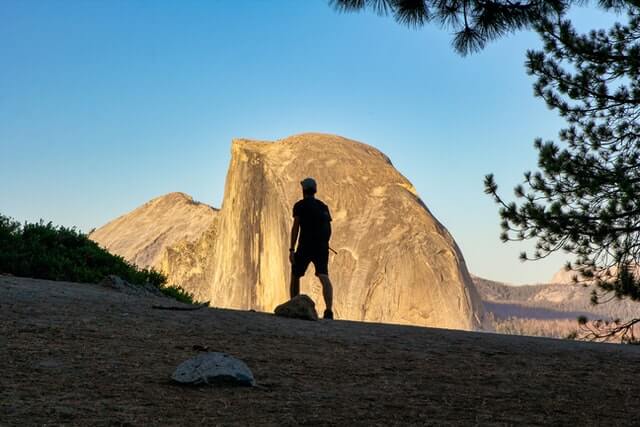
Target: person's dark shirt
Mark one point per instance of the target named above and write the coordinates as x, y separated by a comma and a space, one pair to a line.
315, 223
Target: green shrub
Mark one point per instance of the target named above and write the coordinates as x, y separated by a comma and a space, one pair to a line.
44, 251
178, 293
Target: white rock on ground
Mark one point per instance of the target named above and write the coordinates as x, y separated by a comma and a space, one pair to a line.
214, 368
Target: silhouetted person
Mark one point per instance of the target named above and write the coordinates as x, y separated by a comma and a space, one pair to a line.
312, 221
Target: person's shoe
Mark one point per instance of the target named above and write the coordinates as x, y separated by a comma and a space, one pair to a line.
328, 314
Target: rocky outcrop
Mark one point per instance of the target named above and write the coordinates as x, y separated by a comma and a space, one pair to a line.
171, 233
298, 307
190, 263
564, 276
395, 262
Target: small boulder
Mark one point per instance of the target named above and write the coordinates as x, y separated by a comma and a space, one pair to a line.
116, 282
298, 307
214, 368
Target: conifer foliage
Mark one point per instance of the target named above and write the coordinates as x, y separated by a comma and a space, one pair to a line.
474, 22
585, 197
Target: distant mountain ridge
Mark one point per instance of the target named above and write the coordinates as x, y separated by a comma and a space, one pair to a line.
142, 235
546, 309
563, 298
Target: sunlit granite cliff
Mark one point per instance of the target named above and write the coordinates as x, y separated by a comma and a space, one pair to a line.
395, 262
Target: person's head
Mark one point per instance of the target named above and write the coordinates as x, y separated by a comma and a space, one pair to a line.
309, 186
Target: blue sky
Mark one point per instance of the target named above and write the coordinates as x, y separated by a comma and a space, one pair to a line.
104, 105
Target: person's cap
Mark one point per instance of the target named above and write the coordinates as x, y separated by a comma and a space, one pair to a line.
308, 184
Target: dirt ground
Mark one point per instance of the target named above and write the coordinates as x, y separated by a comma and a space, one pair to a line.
78, 354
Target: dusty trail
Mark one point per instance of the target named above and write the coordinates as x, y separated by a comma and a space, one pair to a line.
80, 354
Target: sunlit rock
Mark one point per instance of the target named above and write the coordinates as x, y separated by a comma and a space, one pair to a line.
395, 262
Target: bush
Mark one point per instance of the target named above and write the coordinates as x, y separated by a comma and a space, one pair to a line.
178, 293
44, 251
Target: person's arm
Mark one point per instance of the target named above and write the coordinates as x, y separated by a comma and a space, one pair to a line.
295, 230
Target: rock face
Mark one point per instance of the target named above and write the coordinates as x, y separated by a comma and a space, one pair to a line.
564, 276
170, 233
298, 307
395, 262
190, 264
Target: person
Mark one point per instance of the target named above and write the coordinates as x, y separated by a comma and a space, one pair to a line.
312, 223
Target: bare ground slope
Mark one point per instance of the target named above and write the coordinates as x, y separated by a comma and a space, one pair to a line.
80, 354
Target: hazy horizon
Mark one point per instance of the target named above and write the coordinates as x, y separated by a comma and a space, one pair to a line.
107, 105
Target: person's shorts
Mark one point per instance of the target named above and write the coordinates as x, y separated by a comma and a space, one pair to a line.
302, 258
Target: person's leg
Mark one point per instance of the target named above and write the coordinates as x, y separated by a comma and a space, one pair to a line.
327, 291
294, 287
298, 268
321, 263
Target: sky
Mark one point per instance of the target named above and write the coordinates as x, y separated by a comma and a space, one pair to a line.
105, 105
